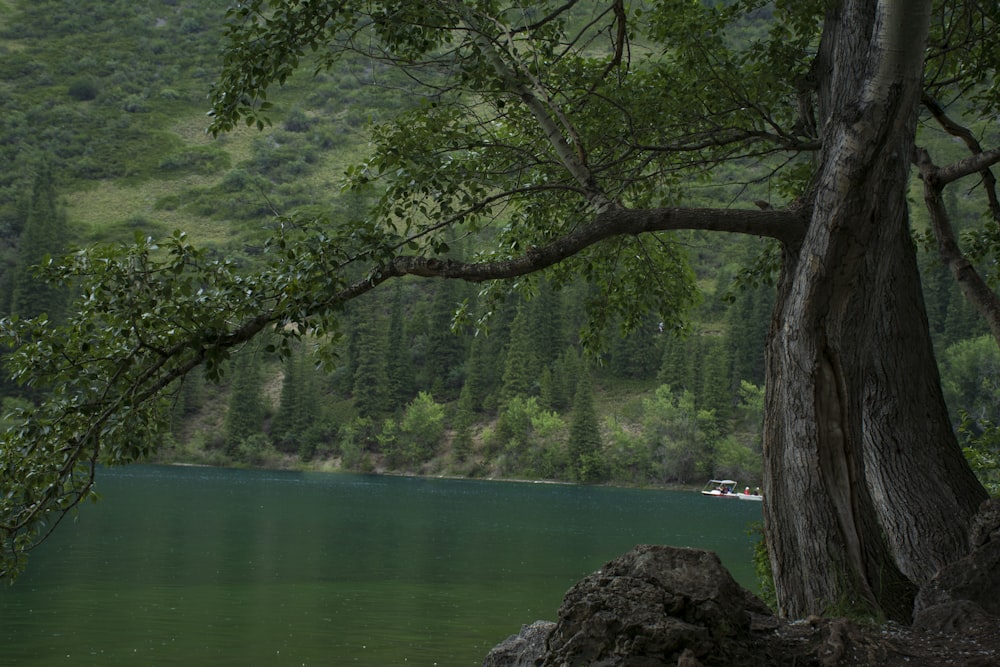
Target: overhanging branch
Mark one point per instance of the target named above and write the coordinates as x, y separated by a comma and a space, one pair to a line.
786, 225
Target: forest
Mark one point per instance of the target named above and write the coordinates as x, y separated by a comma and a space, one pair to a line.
103, 126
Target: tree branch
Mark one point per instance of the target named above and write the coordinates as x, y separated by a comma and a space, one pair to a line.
975, 289
981, 165
786, 225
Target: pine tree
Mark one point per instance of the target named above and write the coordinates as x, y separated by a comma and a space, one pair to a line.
584, 444
636, 355
245, 415
370, 380
715, 391
43, 234
445, 356
565, 376
478, 381
546, 324
398, 368
465, 417
297, 407
521, 370
747, 321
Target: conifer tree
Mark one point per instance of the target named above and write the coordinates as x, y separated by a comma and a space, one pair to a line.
636, 355
398, 368
478, 378
245, 415
565, 376
297, 406
43, 234
674, 369
370, 381
715, 391
465, 417
747, 321
584, 444
186, 401
445, 348
521, 369
546, 324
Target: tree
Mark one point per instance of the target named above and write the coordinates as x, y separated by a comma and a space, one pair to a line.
573, 149
584, 443
398, 369
370, 379
520, 375
297, 409
421, 428
44, 234
245, 414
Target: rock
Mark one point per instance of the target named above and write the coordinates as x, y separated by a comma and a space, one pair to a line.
661, 606
655, 605
965, 594
524, 649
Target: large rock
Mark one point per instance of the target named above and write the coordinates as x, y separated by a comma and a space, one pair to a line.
965, 595
655, 605
524, 649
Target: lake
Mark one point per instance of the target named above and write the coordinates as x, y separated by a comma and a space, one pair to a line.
206, 566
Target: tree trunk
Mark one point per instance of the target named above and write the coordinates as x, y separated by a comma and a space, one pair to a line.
867, 492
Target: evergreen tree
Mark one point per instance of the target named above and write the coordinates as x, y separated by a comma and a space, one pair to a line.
465, 417
565, 376
370, 380
297, 407
343, 378
186, 401
398, 367
584, 444
636, 355
245, 415
546, 324
445, 353
43, 234
715, 391
675, 367
478, 377
520, 374
747, 321
546, 388
962, 321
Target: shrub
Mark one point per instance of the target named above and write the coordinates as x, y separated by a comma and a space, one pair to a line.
83, 90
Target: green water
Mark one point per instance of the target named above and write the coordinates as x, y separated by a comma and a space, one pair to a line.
204, 566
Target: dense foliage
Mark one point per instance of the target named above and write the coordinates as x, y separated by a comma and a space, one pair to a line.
421, 377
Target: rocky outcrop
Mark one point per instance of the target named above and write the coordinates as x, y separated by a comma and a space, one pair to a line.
650, 607
665, 606
524, 649
965, 595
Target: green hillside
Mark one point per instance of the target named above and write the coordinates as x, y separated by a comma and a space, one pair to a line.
102, 110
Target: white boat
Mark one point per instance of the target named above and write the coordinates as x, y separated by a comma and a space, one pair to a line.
720, 488
726, 488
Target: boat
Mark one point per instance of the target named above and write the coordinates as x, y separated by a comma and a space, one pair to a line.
720, 488
726, 488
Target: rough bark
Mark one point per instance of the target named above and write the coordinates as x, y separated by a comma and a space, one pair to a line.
867, 492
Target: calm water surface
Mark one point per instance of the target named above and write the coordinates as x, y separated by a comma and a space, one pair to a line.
205, 566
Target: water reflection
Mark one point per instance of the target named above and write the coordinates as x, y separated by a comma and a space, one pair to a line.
190, 565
